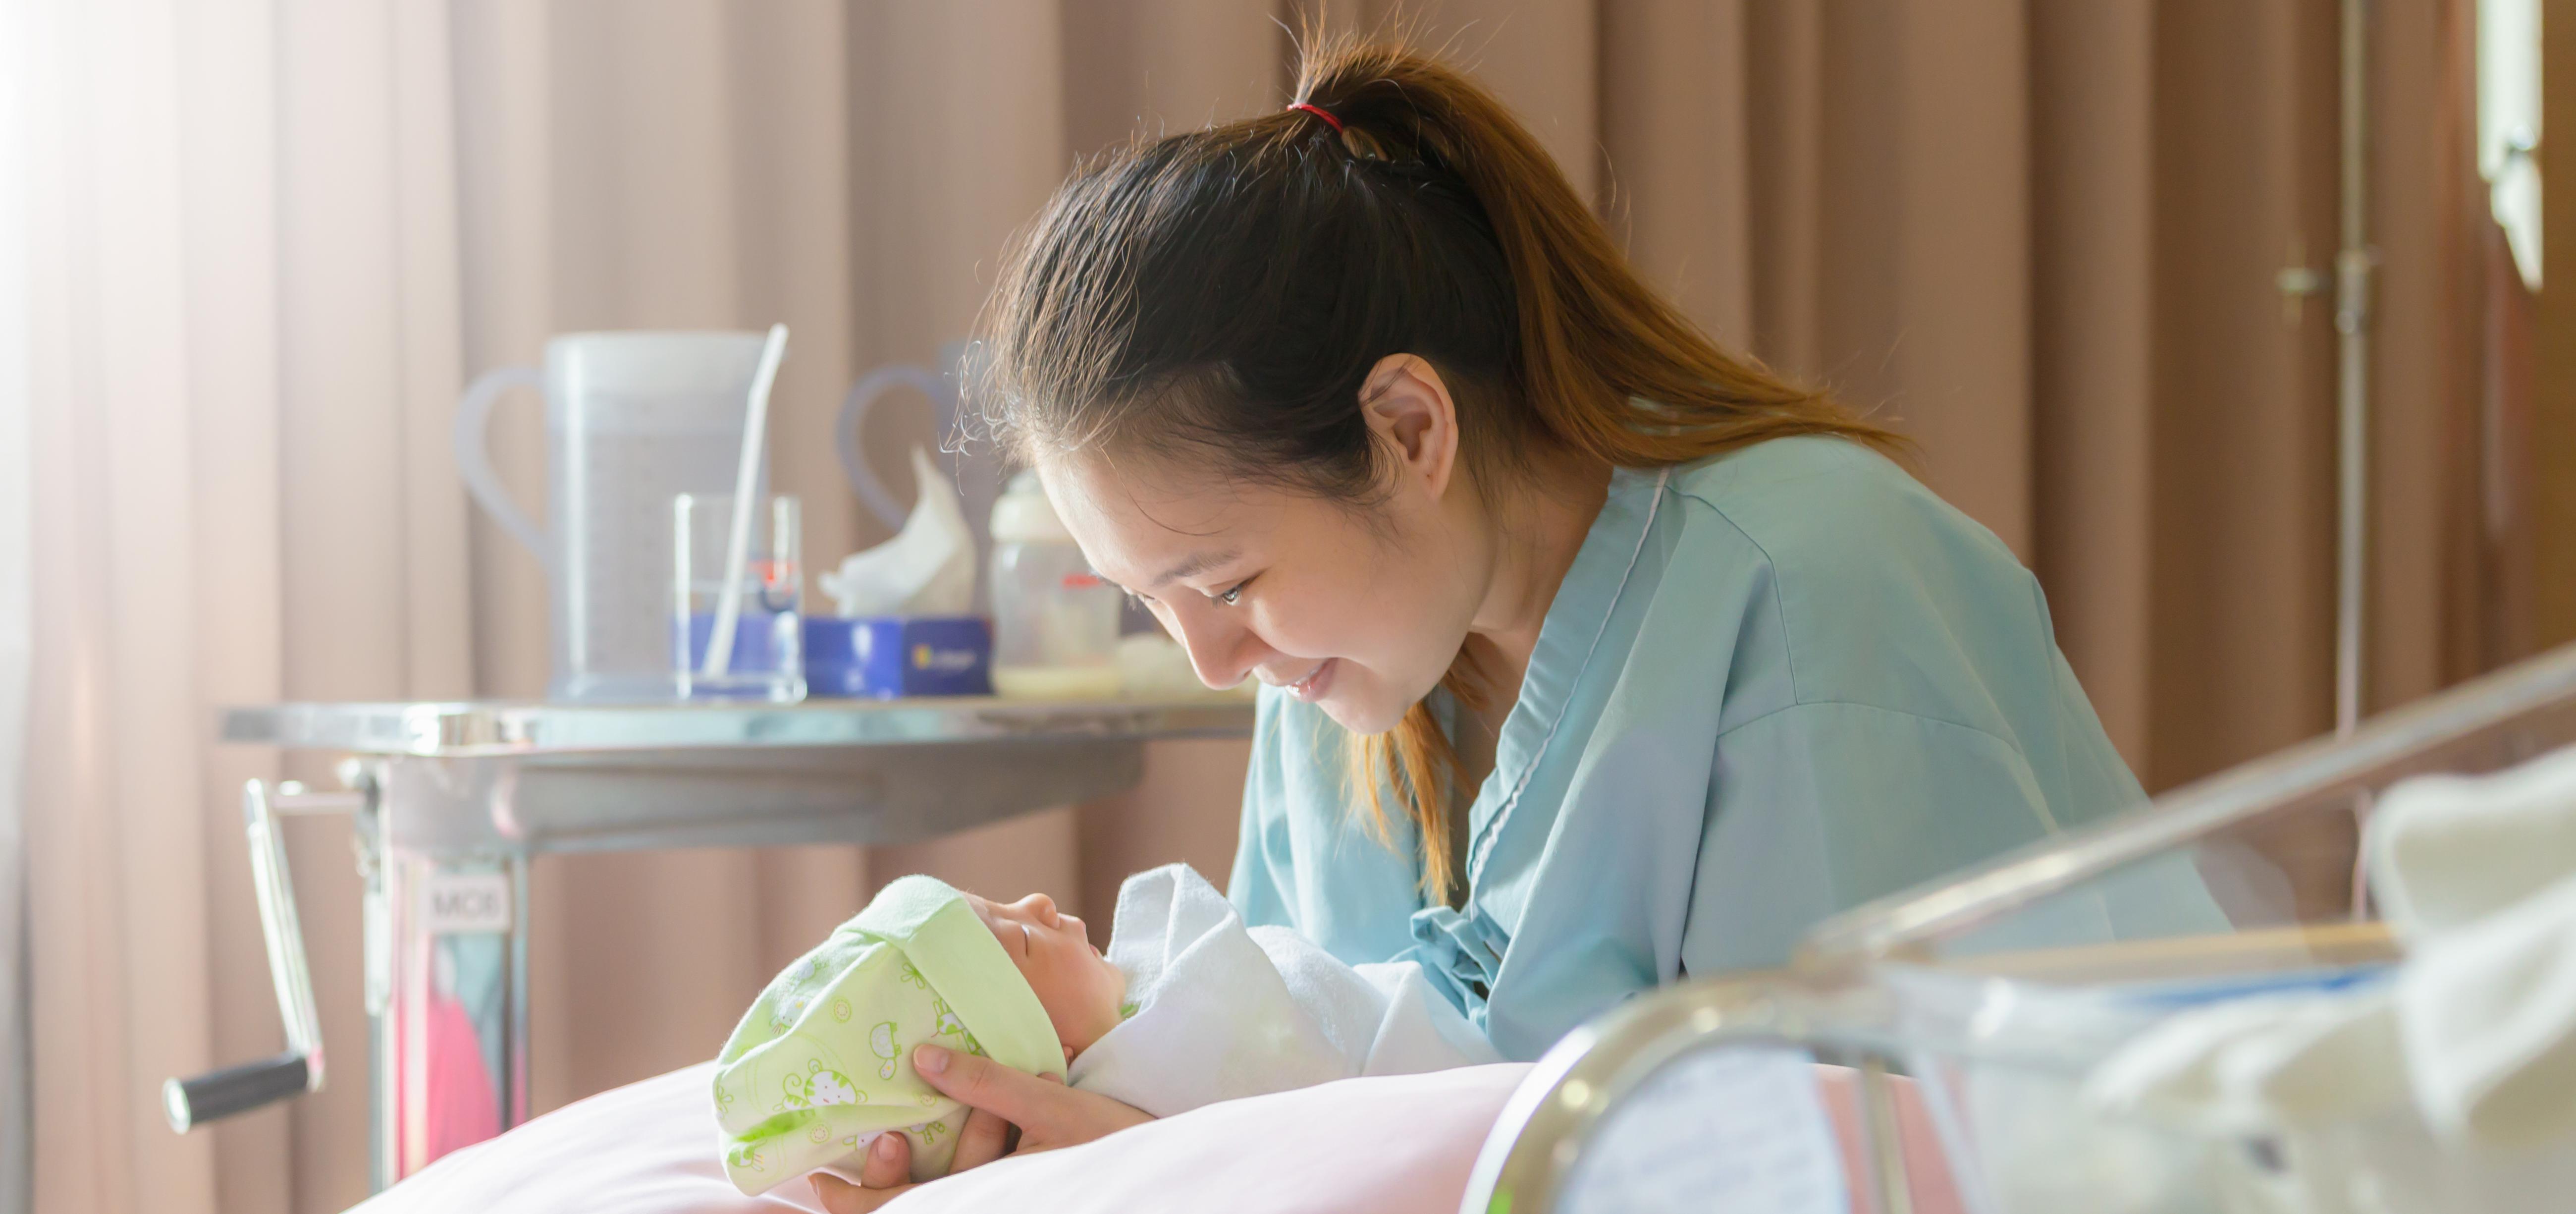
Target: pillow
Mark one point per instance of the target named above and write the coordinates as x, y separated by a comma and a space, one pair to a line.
1392, 1144
1389, 1143
646, 1148
1399, 1143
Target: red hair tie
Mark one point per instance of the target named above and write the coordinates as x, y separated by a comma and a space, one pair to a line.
1320, 112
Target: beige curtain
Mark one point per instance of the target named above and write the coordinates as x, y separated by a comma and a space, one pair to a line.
243, 332
16, 641
270, 239
2551, 448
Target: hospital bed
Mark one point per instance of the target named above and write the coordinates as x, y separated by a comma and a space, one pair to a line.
451, 801
1949, 1015
1958, 1034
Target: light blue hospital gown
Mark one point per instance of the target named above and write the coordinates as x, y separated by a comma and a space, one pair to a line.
1775, 684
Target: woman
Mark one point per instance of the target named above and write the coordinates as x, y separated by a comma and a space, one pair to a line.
1595, 656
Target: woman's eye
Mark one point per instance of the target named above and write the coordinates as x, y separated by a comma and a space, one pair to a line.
1232, 596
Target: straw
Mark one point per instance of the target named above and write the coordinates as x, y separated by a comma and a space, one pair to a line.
719, 659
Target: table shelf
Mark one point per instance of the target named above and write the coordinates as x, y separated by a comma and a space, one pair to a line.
496, 729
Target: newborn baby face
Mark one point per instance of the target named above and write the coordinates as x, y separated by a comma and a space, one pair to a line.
1080, 990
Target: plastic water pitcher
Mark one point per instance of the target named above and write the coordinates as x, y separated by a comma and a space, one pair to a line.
633, 420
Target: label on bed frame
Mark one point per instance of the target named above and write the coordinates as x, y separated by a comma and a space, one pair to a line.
1721, 1129
456, 904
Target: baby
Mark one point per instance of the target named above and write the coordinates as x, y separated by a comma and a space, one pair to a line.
1188, 1007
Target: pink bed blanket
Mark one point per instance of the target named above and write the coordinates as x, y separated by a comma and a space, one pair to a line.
1389, 1145
650, 1148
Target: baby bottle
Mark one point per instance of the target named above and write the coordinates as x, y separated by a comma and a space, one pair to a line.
1055, 623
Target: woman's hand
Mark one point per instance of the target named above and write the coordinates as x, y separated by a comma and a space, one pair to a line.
889, 1166
1047, 1114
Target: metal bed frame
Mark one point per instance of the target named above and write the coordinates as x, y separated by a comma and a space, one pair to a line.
1843, 997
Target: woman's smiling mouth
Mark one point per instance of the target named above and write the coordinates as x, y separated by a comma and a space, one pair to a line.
1317, 681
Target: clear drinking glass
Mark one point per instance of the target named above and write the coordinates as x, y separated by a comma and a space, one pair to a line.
768, 651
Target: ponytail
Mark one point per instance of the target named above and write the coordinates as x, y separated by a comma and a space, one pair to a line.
1227, 290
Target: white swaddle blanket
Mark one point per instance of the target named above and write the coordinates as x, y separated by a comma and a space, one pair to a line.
1224, 1012
2477, 1029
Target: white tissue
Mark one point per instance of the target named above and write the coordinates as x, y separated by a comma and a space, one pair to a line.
928, 568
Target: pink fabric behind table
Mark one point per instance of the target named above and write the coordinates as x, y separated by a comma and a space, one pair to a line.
1390, 1145
460, 1106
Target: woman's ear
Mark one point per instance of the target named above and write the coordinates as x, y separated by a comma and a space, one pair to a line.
1409, 408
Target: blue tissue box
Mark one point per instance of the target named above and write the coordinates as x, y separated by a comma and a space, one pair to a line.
890, 656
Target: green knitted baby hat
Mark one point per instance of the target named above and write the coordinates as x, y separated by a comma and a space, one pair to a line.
822, 1063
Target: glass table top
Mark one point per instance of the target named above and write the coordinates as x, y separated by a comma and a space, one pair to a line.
468, 729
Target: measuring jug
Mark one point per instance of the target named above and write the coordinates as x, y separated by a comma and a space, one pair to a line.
633, 420
977, 467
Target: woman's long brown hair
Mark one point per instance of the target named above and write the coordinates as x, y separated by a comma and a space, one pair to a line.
1222, 294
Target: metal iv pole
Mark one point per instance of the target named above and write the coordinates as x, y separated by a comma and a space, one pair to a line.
2354, 263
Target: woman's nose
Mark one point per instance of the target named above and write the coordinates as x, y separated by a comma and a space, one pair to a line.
1222, 651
